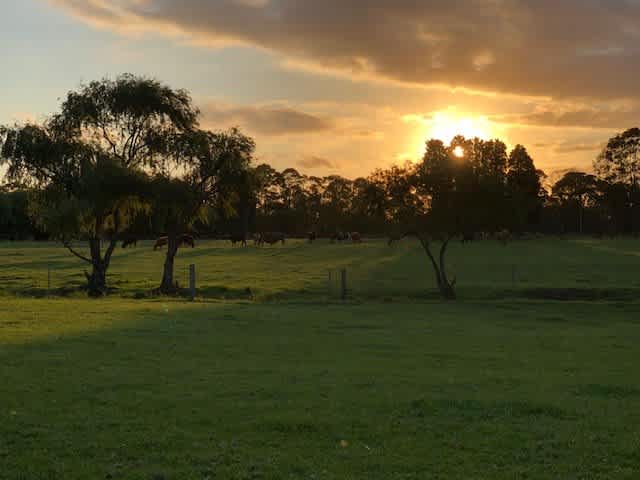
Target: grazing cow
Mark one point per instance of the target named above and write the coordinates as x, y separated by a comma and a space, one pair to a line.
312, 236
467, 237
257, 239
339, 237
239, 238
130, 242
160, 242
185, 240
271, 238
503, 236
356, 237
395, 237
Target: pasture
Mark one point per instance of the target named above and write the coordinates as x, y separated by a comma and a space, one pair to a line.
299, 271
526, 377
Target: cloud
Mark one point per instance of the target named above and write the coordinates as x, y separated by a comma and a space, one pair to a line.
316, 162
603, 116
549, 48
269, 120
578, 147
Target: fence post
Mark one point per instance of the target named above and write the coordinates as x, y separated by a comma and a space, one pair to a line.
329, 284
48, 279
192, 281
343, 284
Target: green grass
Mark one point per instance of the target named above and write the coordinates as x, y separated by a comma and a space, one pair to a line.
292, 385
152, 389
375, 271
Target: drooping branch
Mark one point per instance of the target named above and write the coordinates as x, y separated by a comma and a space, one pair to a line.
443, 251
74, 252
427, 248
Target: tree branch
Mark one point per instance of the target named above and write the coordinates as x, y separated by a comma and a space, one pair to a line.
427, 248
80, 256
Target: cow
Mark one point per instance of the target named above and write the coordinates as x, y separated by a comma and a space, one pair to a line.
467, 237
239, 238
160, 242
339, 237
356, 237
503, 236
184, 240
271, 238
130, 242
396, 237
312, 236
187, 241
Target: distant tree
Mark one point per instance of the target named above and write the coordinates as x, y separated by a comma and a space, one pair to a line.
619, 165
524, 188
579, 190
619, 161
88, 161
15, 221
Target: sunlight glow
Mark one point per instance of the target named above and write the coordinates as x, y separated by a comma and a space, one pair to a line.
446, 125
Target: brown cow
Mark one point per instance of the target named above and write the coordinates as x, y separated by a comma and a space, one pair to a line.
185, 240
130, 242
160, 242
239, 238
356, 237
271, 238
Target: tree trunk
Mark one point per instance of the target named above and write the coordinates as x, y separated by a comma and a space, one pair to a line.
168, 286
445, 286
97, 280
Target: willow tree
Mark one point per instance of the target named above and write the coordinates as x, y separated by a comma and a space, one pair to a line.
209, 173
88, 160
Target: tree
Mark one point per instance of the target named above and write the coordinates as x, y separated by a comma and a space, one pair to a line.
440, 178
88, 161
619, 165
15, 221
208, 167
580, 190
619, 161
524, 188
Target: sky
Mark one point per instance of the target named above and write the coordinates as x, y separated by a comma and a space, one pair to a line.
347, 86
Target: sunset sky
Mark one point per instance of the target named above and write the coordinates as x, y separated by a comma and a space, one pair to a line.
345, 86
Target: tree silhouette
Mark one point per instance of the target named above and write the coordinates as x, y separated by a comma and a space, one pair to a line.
88, 160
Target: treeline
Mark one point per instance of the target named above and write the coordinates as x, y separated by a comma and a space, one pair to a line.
382, 204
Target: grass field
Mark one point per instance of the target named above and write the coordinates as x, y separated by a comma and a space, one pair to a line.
293, 385
375, 271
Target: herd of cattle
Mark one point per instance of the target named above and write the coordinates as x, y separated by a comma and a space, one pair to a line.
272, 238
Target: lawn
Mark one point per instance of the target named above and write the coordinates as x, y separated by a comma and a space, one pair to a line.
291, 384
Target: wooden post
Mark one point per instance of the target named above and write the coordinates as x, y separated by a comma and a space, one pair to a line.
192, 281
343, 284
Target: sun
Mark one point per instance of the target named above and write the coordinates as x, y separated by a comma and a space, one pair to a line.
458, 151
